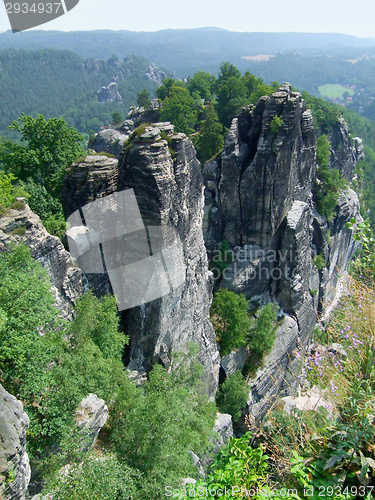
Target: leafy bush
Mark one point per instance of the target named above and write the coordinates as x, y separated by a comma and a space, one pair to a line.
276, 124
230, 319
232, 395
162, 422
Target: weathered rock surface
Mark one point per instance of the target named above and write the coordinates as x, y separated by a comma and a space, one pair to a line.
91, 415
258, 198
109, 141
169, 193
14, 462
67, 281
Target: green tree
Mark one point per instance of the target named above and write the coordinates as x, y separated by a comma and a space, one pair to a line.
231, 97
232, 395
210, 140
116, 117
163, 91
227, 71
178, 108
143, 99
203, 83
173, 416
51, 147
230, 319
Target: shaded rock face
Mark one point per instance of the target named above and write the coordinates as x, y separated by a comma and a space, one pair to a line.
169, 193
14, 462
109, 141
67, 281
258, 198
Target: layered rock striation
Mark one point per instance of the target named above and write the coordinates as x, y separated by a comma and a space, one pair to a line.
259, 199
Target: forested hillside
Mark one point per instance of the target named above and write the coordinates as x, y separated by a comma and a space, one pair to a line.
184, 51
62, 83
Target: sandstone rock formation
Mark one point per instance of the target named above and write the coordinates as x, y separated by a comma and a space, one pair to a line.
166, 179
109, 94
67, 281
14, 462
259, 199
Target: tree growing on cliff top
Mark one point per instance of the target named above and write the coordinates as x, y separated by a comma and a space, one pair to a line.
51, 147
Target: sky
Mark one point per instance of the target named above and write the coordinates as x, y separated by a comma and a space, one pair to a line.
329, 16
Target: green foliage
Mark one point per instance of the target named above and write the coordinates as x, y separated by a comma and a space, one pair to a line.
223, 256
173, 417
27, 309
319, 261
9, 191
210, 140
116, 117
231, 97
178, 108
328, 183
232, 395
92, 475
262, 335
276, 123
325, 114
143, 99
363, 266
241, 471
202, 83
52, 146
230, 319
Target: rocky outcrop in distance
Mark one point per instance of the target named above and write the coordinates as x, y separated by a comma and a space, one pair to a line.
109, 94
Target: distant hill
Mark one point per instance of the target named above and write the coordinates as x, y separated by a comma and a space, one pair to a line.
62, 83
184, 51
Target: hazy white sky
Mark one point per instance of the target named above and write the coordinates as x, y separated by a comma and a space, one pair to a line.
334, 16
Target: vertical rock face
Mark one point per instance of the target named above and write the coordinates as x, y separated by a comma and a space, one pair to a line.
14, 462
259, 199
167, 182
265, 167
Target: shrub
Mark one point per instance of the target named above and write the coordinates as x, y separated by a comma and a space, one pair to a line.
276, 124
319, 261
230, 319
232, 395
261, 336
